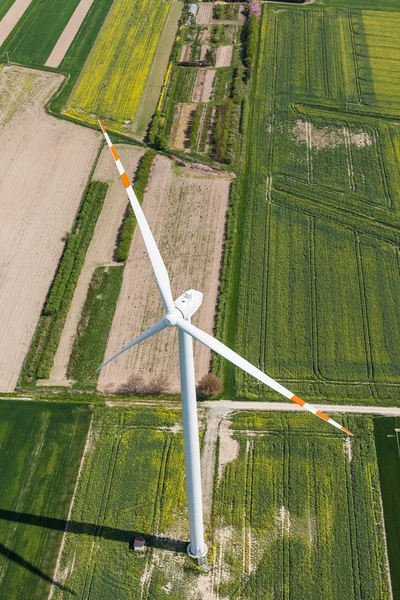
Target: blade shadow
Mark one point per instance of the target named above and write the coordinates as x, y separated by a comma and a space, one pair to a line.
111, 533
15, 557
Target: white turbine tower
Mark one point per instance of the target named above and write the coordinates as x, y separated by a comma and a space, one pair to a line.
178, 314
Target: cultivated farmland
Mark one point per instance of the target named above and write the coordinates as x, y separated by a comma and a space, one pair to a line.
44, 167
41, 446
322, 209
296, 512
26, 42
115, 75
186, 212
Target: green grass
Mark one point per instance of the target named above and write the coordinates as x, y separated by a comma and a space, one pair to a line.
388, 451
294, 517
37, 32
41, 446
95, 323
314, 303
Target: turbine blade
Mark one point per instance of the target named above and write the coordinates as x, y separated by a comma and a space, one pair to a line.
156, 260
159, 326
243, 364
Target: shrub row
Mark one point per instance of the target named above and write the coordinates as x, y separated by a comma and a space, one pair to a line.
225, 11
250, 40
194, 130
221, 131
129, 224
41, 356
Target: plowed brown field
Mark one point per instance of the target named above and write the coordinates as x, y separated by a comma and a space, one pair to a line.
44, 167
186, 213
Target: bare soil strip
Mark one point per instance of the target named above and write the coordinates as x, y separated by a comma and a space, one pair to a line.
100, 251
185, 53
224, 56
12, 17
180, 132
70, 31
186, 213
44, 168
203, 86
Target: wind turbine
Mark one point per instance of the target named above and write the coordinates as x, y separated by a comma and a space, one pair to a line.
178, 314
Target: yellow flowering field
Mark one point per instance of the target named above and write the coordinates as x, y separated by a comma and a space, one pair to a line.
115, 74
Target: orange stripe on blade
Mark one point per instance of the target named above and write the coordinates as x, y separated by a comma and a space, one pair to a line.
322, 415
298, 400
125, 180
102, 126
114, 153
347, 431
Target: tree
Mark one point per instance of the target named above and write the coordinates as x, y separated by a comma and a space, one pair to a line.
210, 385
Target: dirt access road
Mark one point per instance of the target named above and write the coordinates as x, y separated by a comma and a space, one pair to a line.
44, 167
186, 212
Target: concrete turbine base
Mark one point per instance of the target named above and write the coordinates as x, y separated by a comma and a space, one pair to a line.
197, 554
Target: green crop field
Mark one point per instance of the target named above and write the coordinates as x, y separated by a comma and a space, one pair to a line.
296, 514
132, 482
317, 303
41, 445
37, 32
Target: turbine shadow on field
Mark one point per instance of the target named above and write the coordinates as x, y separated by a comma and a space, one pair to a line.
11, 555
111, 533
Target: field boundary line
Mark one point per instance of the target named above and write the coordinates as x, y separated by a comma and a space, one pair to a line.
57, 569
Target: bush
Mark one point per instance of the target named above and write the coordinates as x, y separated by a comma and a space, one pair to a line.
134, 385
159, 385
210, 385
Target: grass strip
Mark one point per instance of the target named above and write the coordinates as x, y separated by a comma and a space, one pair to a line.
95, 323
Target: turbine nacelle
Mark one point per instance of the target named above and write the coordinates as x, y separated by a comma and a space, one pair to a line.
185, 306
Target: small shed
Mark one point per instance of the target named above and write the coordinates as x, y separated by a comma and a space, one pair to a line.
192, 12
138, 543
